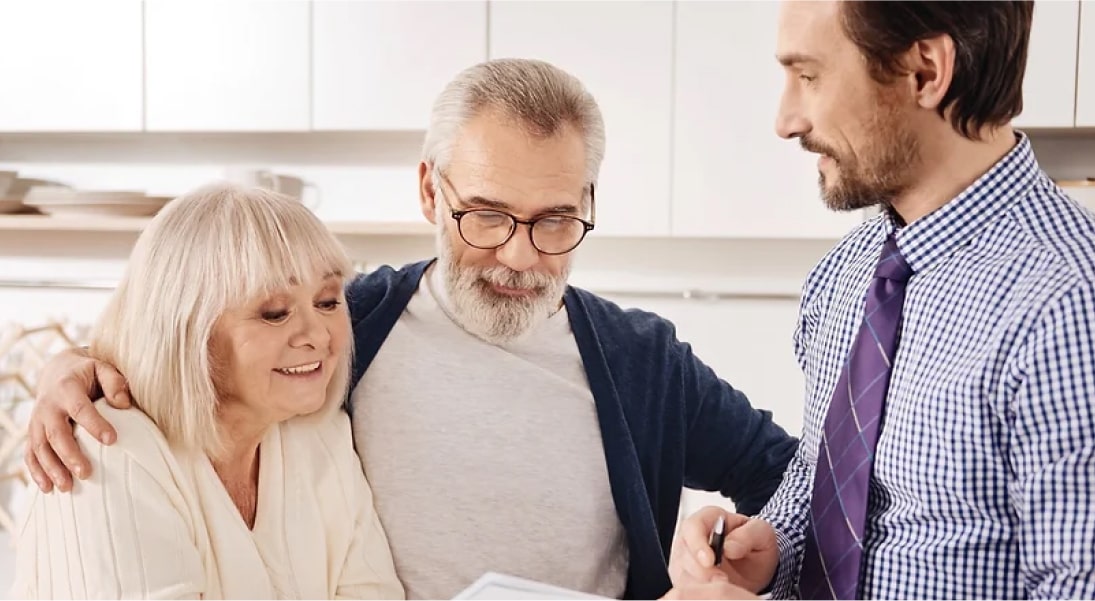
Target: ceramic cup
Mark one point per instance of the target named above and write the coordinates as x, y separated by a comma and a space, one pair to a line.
289, 185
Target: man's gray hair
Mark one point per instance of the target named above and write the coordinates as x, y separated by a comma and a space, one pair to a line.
537, 94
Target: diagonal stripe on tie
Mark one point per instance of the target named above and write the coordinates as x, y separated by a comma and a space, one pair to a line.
832, 563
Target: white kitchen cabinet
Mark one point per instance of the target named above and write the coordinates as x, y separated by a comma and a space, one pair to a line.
622, 51
1085, 84
732, 175
1049, 86
378, 65
70, 65
231, 65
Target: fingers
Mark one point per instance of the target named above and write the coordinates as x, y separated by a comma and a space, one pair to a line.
686, 568
696, 529
713, 590
42, 462
52, 439
751, 536
692, 559
114, 388
51, 454
35, 469
83, 412
52, 465
702, 575
749, 548
696, 532
61, 440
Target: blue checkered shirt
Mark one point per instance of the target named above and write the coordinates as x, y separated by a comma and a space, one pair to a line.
984, 474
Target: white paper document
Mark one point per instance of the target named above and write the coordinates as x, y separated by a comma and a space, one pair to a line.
500, 586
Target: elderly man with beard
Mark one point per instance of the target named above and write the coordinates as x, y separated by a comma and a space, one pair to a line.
948, 344
506, 421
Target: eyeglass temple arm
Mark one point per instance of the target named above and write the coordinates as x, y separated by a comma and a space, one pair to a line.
592, 204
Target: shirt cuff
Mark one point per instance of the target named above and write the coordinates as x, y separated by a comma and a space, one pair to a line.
784, 584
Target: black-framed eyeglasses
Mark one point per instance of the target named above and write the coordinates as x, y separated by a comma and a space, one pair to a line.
488, 229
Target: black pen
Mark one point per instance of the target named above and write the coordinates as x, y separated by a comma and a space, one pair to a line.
718, 536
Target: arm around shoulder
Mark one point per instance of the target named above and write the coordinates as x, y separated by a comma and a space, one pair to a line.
121, 533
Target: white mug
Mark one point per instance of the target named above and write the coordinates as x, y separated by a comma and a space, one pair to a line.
288, 185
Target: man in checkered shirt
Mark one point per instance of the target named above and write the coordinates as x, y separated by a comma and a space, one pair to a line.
961, 319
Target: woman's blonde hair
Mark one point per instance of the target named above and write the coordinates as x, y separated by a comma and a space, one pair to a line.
207, 251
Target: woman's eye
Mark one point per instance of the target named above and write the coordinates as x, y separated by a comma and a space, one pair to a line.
329, 305
275, 316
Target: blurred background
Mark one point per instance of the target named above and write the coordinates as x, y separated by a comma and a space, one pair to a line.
112, 107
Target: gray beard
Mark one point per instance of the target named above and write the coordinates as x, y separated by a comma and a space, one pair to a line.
495, 318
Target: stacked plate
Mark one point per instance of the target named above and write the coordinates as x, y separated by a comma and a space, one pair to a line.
62, 200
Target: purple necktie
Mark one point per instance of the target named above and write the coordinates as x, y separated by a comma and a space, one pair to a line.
838, 511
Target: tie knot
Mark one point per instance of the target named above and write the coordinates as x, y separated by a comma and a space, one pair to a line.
891, 263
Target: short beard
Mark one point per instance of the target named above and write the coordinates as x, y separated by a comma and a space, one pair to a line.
496, 318
882, 169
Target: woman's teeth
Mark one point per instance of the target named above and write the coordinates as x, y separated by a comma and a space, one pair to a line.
300, 369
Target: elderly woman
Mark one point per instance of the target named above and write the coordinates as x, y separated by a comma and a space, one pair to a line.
238, 477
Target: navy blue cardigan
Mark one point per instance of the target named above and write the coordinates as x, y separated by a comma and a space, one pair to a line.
666, 419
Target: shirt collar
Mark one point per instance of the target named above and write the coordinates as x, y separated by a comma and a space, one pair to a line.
937, 235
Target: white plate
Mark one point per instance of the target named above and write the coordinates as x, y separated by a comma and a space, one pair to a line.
66, 195
116, 209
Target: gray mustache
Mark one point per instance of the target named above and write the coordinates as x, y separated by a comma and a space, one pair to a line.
503, 276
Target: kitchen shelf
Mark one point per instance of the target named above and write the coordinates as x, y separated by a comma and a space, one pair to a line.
94, 223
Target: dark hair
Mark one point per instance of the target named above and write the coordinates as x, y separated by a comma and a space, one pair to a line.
990, 44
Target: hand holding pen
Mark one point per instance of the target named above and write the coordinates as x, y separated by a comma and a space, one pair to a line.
717, 545
718, 538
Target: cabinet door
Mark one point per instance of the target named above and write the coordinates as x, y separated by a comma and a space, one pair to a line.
239, 65
732, 175
378, 65
622, 51
70, 65
1049, 86
1085, 85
